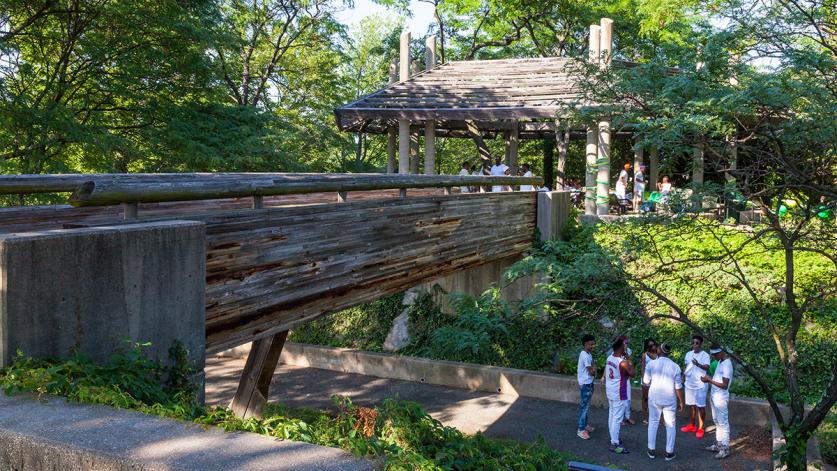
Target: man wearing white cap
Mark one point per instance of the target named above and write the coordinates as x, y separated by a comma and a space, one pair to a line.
719, 398
665, 392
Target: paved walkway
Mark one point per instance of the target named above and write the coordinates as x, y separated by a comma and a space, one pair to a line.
496, 415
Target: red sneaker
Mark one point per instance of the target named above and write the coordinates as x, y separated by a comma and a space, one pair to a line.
699, 433
688, 428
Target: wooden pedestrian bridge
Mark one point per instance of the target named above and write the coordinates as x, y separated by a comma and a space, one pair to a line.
220, 260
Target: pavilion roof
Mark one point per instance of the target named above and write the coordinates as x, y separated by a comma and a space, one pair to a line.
492, 92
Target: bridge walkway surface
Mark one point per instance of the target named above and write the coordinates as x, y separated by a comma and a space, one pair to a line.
496, 415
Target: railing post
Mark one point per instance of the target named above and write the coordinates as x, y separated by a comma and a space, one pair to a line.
130, 211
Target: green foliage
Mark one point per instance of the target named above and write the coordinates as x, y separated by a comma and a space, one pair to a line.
362, 327
399, 432
827, 436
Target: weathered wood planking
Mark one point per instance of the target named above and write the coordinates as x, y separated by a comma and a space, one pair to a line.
268, 270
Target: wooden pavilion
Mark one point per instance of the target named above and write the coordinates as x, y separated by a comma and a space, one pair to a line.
482, 99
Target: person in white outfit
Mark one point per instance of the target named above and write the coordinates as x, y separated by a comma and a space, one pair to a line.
719, 397
466, 170
498, 170
618, 371
665, 393
527, 172
697, 364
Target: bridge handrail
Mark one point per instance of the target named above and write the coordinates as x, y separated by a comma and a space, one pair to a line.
111, 189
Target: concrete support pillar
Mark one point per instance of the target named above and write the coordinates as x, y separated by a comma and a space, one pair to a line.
403, 146
639, 159
404, 57
654, 168
603, 170
414, 152
592, 149
697, 165
511, 149
553, 211
430, 53
430, 147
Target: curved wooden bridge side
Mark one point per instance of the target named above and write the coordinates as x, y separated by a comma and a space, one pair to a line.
270, 269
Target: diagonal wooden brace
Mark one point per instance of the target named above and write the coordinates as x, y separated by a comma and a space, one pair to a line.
251, 396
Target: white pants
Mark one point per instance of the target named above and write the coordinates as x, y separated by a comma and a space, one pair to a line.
628, 404
669, 412
615, 414
720, 415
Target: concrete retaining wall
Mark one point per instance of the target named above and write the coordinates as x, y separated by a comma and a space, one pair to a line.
88, 290
743, 412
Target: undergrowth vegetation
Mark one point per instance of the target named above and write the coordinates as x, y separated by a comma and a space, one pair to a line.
397, 433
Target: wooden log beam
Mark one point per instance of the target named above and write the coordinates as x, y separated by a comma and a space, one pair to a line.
153, 190
254, 385
482, 147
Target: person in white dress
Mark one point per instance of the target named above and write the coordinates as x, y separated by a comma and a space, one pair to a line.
622, 183
466, 170
498, 170
527, 172
639, 186
697, 364
665, 397
719, 397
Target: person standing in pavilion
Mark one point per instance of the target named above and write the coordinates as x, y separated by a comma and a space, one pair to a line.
665, 393
498, 170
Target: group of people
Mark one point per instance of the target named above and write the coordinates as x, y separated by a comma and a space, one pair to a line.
622, 184
499, 169
663, 385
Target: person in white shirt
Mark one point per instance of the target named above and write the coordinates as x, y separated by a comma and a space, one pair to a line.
585, 372
719, 396
639, 186
527, 172
697, 364
466, 170
622, 183
665, 393
618, 371
498, 170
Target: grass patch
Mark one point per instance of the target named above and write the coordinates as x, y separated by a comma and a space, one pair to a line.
398, 433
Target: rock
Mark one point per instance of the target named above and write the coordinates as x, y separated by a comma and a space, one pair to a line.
399, 335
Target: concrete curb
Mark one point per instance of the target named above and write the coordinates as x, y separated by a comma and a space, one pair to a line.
514, 382
53, 434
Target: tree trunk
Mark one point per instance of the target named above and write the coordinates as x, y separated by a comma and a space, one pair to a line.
549, 162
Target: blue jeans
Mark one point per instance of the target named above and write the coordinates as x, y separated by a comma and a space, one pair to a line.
584, 405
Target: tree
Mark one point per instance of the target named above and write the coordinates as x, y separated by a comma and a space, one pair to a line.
768, 136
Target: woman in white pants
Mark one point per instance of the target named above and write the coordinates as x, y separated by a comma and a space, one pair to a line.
719, 397
665, 393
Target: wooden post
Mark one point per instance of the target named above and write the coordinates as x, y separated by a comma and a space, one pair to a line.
654, 168
404, 124
430, 53
482, 147
258, 202
592, 149
130, 211
548, 162
414, 152
603, 161
562, 138
392, 132
639, 159
512, 144
342, 196
252, 393
430, 147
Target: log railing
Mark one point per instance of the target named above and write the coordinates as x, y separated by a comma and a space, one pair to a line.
111, 189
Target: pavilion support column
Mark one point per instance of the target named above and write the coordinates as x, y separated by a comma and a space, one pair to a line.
592, 149
603, 174
404, 124
414, 152
639, 160
697, 165
392, 131
403, 146
512, 144
592, 154
562, 137
654, 168
430, 147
